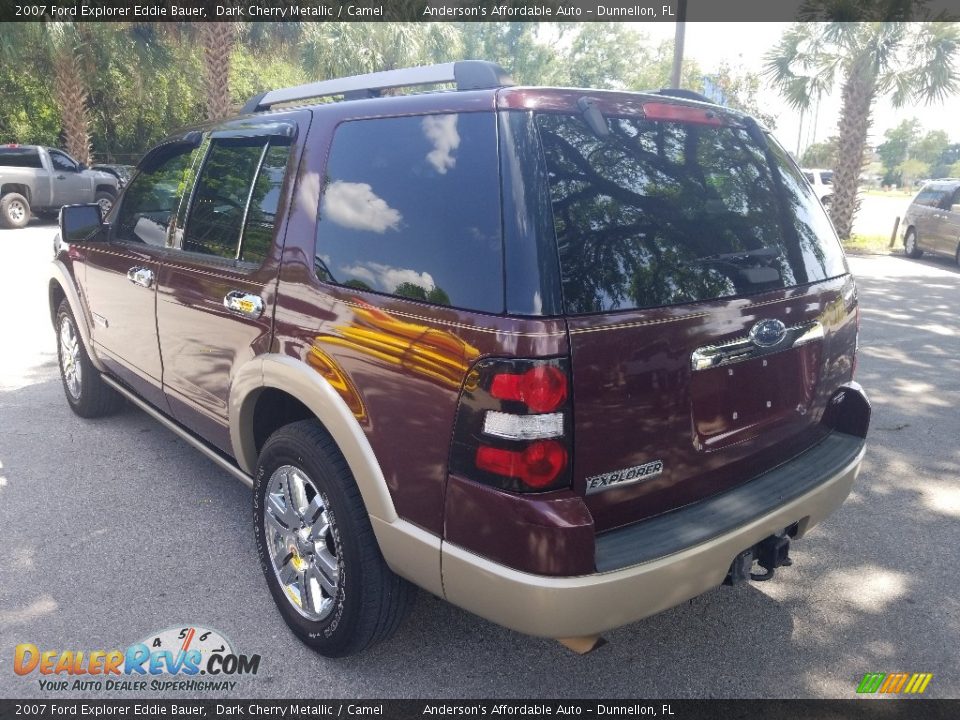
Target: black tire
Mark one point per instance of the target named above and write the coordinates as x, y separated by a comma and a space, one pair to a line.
105, 200
369, 601
827, 199
910, 246
87, 394
14, 211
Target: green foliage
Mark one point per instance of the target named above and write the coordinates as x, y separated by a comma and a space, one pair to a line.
821, 154
739, 89
145, 80
908, 156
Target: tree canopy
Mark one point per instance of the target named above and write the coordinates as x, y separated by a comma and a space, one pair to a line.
119, 88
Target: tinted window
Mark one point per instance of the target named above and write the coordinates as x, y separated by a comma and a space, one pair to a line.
411, 207
954, 199
931, 197
220, 199
661, 213
826, 177
258, 234
810, 178
62, 162
20, 157
152, 198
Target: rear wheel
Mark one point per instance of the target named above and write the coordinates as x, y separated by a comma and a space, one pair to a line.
14, 210
910, 246
86, 392
317, 549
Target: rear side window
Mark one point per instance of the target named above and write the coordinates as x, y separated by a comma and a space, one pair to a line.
234, 203
411, 208
20, 157
661, 213
219, 202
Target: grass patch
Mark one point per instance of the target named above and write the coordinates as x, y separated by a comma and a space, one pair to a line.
873, 244
877, 192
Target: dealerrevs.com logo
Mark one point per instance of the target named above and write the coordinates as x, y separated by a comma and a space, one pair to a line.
191, 658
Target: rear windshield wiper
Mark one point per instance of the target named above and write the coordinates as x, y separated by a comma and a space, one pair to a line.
764, 253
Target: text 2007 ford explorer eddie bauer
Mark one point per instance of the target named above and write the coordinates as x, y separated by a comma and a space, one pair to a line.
36, 179
565, 358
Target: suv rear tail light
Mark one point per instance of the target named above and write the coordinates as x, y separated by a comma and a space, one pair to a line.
541, 388
513, 425
537, 465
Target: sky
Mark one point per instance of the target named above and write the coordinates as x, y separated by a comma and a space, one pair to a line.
746, 43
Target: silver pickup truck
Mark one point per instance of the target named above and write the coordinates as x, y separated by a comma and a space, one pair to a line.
36, 179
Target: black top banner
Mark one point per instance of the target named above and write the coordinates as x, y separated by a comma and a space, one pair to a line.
642, 11
416, 709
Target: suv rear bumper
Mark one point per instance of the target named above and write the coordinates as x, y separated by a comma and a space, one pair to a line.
563, 607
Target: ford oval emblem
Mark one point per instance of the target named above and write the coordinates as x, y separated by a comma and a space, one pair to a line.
767, 333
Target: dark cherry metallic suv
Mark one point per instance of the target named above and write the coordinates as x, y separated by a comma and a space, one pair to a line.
565, 358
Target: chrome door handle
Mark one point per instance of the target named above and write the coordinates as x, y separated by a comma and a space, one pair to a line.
140, 276
245, 304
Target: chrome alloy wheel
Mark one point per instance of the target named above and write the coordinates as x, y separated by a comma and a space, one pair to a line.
70, 357
302, 541
16, 211
106, 204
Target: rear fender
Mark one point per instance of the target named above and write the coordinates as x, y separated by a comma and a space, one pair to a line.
408, 550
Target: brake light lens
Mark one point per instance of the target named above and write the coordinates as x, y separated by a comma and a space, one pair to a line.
513, 425
537, 465
541, 388
681, 113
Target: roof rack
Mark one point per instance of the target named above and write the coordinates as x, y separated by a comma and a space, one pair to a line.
467, 74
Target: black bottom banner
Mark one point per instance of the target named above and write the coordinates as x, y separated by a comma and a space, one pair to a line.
885, 709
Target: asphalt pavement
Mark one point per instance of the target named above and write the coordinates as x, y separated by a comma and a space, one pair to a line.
111, 530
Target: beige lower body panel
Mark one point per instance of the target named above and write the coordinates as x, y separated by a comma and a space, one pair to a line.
557, 607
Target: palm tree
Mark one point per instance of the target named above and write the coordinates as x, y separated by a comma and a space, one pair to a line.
217, 40
910, 61
57, 49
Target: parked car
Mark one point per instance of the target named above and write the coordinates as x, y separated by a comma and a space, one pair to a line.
932, 220
120, 172
563, 357
36, 179
822, 182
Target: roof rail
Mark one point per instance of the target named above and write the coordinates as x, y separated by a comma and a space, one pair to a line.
684, 93
467, 74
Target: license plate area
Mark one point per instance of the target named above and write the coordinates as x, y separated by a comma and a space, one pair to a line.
737, 402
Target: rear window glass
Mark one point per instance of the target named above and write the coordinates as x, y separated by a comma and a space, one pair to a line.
411, 208
20, 157
662, 213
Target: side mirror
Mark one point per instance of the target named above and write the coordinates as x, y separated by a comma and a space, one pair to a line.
80, 223
81, 167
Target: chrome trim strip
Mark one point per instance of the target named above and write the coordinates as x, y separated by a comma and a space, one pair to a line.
170, 425
741, 349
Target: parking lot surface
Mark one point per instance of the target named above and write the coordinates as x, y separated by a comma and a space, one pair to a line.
112, 530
